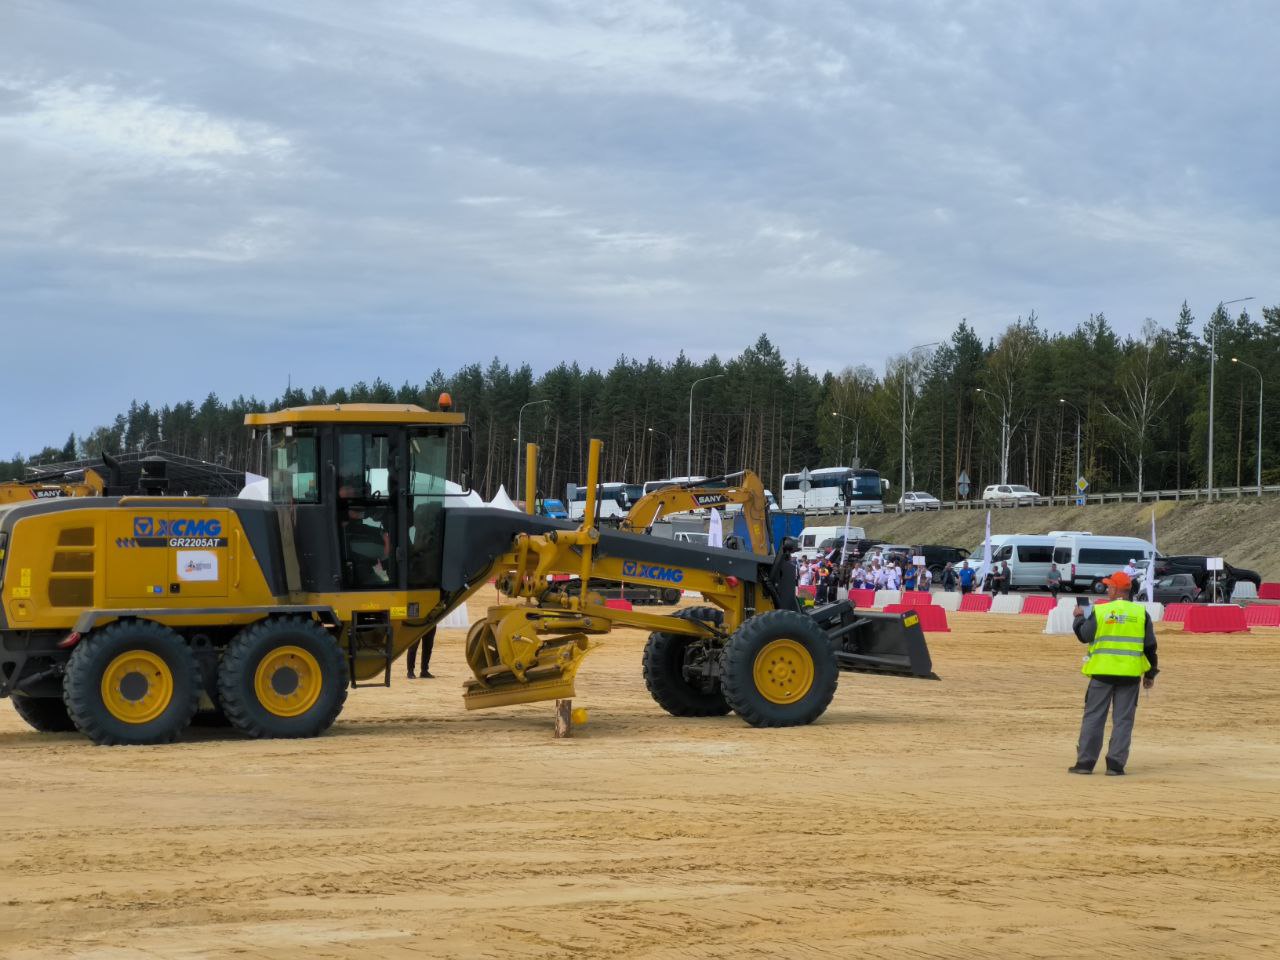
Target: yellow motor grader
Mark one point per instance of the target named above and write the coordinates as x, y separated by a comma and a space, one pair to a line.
122, 617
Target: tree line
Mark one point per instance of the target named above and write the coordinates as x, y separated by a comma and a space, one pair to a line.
1011, 407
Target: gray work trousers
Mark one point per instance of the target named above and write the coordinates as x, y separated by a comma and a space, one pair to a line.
1122, 700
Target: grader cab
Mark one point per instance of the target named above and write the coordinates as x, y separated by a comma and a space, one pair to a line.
124, 617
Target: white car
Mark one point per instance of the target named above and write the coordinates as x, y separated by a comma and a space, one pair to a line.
1014, 493
919, 500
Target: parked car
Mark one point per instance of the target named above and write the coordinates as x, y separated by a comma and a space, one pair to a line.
853, 550
1029, 557
1015, 493
813, 539
919, 500
554, 509
936, 557
1086, 560
1204, 579
1175, 588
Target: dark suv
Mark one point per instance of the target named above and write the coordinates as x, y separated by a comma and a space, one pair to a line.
1197, 566
936, 557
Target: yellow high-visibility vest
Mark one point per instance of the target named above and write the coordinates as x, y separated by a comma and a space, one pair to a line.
1116, 650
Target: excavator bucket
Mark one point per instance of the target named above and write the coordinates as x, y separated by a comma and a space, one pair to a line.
513, 663
884, 643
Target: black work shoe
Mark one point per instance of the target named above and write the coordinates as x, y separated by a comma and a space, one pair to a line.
428, 675
412, 677
1115, 771
1080, 768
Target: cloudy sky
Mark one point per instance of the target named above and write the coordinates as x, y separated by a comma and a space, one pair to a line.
215, 195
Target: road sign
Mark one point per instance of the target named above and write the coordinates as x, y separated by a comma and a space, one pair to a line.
963, 484
805, 483
1082, 484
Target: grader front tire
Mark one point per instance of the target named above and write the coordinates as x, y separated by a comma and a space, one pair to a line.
780, 670
133, 682
284, 678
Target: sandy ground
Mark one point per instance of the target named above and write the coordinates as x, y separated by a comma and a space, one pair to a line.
916, 819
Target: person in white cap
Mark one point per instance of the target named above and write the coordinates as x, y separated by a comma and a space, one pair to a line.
1131, 571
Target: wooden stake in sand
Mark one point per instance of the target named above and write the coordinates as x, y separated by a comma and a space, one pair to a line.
564, 719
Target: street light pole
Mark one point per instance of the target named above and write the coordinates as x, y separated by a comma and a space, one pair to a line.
670, 456
689, 461
1259, 373
843, 418
1078, 415
1213, 362
520, 440
1004, 435
903, 492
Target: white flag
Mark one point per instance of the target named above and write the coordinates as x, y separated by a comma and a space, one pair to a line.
1151, 564
844, 545
715, 531
985, 566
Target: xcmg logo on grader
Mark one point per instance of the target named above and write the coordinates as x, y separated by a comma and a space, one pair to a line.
651, 571
151, 527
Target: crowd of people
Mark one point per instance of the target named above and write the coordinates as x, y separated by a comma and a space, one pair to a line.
829, 573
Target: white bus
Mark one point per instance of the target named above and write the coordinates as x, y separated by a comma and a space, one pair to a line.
616, 499
654, 485
835, 489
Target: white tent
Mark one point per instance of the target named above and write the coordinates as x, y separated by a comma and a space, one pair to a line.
255, 488
455, 498
503, 502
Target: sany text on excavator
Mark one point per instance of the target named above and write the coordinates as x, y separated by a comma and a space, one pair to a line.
52, 488
123, 617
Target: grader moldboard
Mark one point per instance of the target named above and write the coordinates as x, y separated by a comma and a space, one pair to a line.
125, 617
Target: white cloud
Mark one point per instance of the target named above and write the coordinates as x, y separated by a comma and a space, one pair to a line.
98, 120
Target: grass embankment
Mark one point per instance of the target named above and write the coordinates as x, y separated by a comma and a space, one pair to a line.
1245, 531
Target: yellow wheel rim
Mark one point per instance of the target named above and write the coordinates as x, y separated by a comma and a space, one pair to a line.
783, 671
288, 681
137, 686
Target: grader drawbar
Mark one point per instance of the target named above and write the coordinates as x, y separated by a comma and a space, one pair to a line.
125, 618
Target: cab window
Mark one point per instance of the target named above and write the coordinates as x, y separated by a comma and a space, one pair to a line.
293, 475
427, 489
366, 503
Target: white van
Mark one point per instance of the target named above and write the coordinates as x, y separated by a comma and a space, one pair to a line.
811, 539
1085, 560
1028, 557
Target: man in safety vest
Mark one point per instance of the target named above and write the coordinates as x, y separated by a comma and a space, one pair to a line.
1122, 653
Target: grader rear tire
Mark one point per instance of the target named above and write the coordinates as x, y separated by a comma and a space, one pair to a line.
284, 677
133, 682
43, 714
664, 657
780, 670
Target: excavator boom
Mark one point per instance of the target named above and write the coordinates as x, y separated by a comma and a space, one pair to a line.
748, 493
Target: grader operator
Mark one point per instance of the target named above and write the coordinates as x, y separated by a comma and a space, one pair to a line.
121, 617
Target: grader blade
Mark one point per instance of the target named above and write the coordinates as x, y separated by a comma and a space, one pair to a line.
513, 663
867, 642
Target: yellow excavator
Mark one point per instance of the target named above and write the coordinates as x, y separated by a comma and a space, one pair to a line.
695, 496
748, 493
24, 491
121, 617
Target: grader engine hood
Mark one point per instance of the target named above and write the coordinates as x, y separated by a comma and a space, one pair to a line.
476, 536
